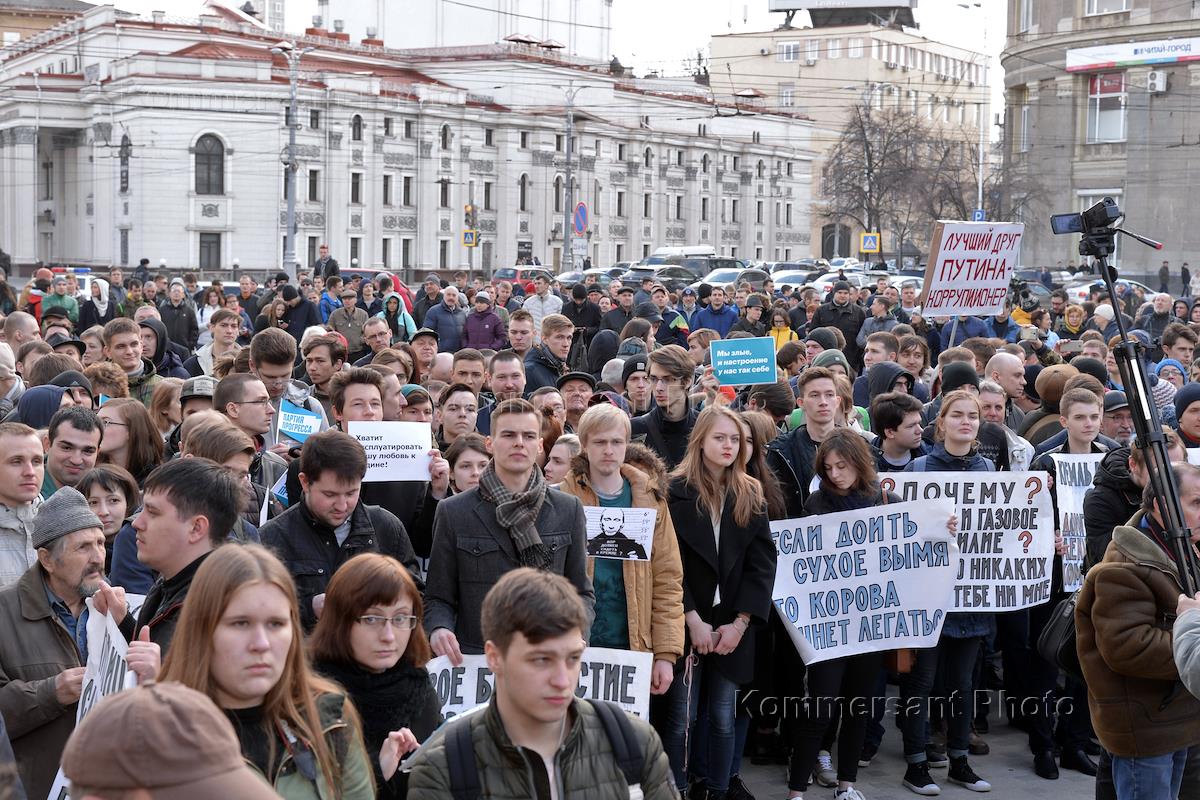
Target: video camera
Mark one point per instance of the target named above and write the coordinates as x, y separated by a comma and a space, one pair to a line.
1101, 215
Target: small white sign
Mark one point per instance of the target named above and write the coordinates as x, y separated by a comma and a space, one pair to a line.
396, 451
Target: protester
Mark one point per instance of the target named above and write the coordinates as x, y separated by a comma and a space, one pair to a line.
131, 439
22, 473
241, 643
113, 496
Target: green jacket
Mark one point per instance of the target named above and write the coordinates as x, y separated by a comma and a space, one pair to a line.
585, 766
65, 301
141, 388
346, 743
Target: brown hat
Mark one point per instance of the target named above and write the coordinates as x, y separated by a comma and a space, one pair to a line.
1051, 381
173, 740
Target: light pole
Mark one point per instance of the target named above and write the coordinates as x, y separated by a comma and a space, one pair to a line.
569, 182
293, 55
982, 105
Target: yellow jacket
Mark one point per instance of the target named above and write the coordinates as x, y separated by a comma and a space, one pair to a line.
654, 588
782, 335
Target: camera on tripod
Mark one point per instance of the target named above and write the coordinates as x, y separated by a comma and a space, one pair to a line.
1101, 215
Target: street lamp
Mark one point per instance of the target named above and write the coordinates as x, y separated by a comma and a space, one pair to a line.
289, 51
982, 116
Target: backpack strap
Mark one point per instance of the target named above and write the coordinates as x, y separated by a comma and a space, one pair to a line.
460, 761
627, 750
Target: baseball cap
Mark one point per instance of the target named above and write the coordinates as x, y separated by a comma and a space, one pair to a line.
155, 721
648, 312
688, 292
199, 386
625, 290
426, 332
1114, 401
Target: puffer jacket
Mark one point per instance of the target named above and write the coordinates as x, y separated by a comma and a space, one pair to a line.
484, 331
584, 765
1111, 501
654, 588
449, 324
1123, 620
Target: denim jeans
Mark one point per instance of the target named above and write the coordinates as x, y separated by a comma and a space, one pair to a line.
1151, 778
913, 712
718, 695
958, 658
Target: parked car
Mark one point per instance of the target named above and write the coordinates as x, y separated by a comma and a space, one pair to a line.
1078, 292
824, 283
791, 277
844, 263
672, 277
523, 276
725, 275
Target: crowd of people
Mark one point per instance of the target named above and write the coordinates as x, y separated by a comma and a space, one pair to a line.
290, 608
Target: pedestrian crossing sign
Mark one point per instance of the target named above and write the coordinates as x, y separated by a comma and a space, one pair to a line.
470, 238
869, 243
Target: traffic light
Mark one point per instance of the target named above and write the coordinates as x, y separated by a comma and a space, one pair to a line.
469, 216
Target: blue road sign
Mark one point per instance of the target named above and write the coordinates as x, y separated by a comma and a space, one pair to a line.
977, 215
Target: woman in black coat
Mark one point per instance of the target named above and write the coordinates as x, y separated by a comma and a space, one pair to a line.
720, 518
370, 640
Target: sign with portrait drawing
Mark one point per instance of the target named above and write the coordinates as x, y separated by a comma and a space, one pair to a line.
622, 533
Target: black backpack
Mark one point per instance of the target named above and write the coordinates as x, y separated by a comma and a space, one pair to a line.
464, 773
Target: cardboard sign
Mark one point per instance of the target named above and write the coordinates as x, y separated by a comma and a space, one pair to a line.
1072, 480
1005, 533
620, 676
868, 580
622, 533
742, 362
396, 451
296, 422
969, 266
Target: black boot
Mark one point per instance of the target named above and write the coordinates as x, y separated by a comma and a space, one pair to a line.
1079, 761
1044, 766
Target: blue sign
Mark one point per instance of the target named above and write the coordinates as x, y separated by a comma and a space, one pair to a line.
296, 422
739, 362
580, 219
977, 215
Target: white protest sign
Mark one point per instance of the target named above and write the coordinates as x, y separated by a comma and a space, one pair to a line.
862, 581
296, 422
105, 673
1005, 533
620, 676
969, 266
1072, 480
396, 451
623, 533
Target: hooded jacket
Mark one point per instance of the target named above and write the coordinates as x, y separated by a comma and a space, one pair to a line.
166, 362
448, 322
1111, 502
401, 323
584, 315
602, 350
1123, 620
484, 331
542, 368
16, 541
879, 379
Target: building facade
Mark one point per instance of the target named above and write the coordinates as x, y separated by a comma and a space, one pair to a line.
168, 140
823, 72
1103, 99
20, 19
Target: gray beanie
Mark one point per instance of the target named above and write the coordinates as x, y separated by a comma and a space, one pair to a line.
65, 512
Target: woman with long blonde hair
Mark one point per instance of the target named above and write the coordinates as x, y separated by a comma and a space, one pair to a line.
240, 642
720, 517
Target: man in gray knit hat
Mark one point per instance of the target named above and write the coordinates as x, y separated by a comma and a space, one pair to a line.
44, 646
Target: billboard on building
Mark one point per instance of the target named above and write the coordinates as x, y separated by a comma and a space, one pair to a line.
1129, 54
836, 5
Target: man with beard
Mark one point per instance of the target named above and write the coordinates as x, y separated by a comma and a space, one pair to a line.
44, 648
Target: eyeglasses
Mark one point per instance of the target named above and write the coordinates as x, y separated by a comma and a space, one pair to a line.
266, 401
108, 423
401, 622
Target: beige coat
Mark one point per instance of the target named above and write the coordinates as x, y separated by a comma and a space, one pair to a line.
653, 589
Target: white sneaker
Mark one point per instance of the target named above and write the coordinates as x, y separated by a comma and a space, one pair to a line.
849, 793
825, 775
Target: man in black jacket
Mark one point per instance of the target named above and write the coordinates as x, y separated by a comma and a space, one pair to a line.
189, 507
330, 525
792, 456
846, 316
179, 317
620, 314
301, 314
665, 429
583, 313
427, 300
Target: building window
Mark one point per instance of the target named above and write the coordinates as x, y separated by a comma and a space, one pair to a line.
388, 130
558, 143
789, 169
704, 209
558, 194
406, 189
356, 128
1106, 107
647, 205
314, 185
356, 188
210, 251
760, 170
787, 214
812, 49
405, 253
524, 140
679, 158
126, 152
678, 206
125, 247
597, 199
387, 190
385, 252
598, 151
778, 213
487, 195
834, 48
648, 158
758, 212
313, 244
789, 51
489, 137
737, 163
620, 252
355, 250
444, 193
733, 211
620, 152
314, 119
620, 204
787, 95
704, 163
1106, 6
210, 165
523, 192
409, 129
445, 137
1024, 15
443, 254
854, 48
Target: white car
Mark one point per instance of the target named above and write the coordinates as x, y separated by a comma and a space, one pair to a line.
844, 263
824, 284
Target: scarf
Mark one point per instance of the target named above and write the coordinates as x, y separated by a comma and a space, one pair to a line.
518, 514
101, 302
396, 698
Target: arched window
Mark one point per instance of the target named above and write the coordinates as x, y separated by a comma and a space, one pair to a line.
558, 194
356, 128
523, 185
210, 165
445, 137
704, 163
761, 169
648, 158
125, 153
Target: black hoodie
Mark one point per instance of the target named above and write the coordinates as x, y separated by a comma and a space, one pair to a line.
168, 358
1113, 499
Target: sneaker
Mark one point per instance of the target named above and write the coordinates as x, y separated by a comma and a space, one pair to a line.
935, 756
962, 774
916, 778
825, 775
737, 789
977, 746
868, 753
849, 793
